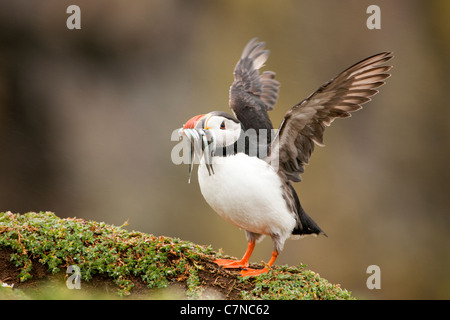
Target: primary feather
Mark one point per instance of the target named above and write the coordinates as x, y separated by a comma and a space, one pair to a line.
304, 124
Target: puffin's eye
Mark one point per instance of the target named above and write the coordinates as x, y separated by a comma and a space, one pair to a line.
222, 125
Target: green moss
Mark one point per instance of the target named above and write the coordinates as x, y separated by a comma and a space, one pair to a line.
288, 283
126, 257
194, 289
96, 248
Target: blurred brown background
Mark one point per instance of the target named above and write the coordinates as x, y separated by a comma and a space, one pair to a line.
86, 117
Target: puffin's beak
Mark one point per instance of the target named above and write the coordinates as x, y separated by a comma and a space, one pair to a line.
190, 126
202, 142
192, 122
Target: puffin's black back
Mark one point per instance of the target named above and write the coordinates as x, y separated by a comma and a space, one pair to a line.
253, 94
255, 118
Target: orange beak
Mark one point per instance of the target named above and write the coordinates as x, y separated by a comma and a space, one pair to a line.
192, 122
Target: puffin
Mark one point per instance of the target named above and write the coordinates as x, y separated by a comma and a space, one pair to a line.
246, 169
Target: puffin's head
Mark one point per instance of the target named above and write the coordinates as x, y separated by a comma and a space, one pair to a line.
208, 132
219, 126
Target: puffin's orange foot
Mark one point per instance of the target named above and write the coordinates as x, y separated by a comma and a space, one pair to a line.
231, 264
253, 272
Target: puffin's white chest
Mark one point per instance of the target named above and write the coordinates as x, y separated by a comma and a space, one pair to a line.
247, 192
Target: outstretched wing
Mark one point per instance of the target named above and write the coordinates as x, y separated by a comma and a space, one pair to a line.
304, 124
252, 94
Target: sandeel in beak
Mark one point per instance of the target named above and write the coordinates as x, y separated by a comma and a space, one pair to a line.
203, 143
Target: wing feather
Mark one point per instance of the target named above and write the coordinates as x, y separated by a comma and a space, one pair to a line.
252, 94
304, 124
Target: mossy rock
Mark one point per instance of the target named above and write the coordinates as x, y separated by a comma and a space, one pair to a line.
36, 249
